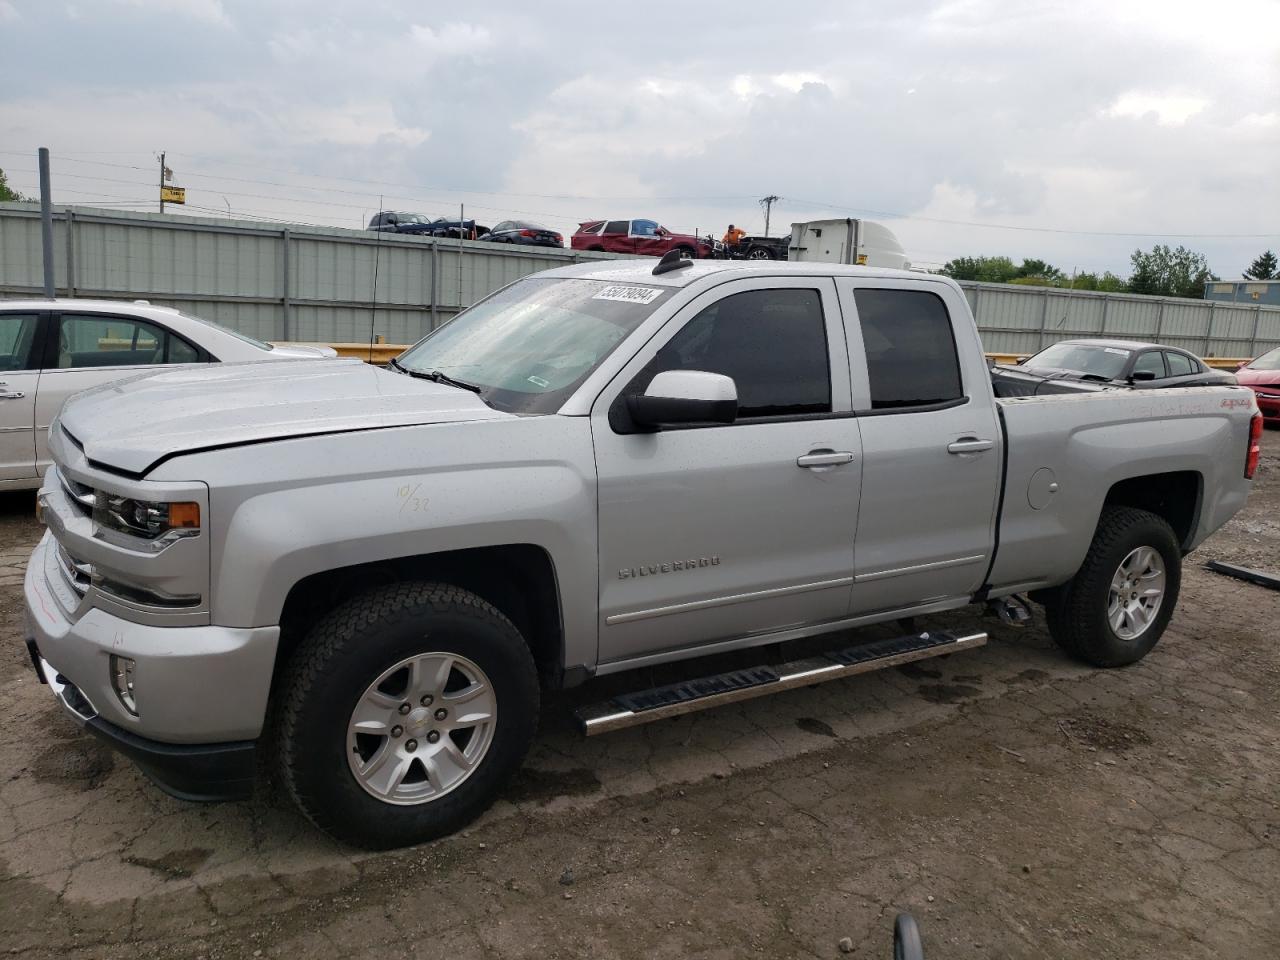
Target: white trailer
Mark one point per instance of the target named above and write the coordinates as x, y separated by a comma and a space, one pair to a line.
850, 241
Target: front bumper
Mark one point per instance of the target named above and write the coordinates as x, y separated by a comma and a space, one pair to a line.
203, 772
201, 691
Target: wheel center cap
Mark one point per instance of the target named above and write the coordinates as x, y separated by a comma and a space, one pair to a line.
417, 719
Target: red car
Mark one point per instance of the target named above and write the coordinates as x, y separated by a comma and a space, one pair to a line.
645, 237
1263, 377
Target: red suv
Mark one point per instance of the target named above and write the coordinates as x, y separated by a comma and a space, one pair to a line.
644, 237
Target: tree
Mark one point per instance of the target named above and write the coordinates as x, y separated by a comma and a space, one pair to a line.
1039, 270
1264, 268
984, 269
6, 193
1169, 272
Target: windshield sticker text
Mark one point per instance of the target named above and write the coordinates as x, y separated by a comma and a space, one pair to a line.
625, 294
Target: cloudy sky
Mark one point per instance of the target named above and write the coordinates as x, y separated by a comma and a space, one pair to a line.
1073, 131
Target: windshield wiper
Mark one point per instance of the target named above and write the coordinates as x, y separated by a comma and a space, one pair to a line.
437, 376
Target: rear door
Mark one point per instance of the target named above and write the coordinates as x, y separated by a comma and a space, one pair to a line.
616, 237
719, 532
86, 349
19, 377
931, 444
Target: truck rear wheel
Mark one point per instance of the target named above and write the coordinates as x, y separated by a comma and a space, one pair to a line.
404, 713
1118, 604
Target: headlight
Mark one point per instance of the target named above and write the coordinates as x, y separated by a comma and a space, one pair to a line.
161, 522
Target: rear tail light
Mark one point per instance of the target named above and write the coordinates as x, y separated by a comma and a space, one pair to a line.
527, 233
1255, 446
557, 238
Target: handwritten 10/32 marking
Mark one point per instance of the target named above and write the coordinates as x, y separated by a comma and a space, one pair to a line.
410, 502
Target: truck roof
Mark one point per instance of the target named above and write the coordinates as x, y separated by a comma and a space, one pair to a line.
640, 270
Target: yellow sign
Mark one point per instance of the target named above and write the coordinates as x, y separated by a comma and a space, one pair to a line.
173, 194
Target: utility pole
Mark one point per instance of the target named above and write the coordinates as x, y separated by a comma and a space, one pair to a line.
768, 203
46, 222
162, 181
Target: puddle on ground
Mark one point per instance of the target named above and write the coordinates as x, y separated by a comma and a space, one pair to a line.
1027, 676
947, 692
810, 725
176, 865
917, 672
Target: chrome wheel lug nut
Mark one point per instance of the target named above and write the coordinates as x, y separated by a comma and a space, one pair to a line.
411, 745
426, 699
404, 708
442, 713
397, 730
433, 736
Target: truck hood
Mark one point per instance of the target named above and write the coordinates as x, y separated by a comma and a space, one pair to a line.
131, 425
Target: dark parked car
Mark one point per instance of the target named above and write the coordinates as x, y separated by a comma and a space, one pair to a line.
525, 233
1116, 363
645, 237
396, 221
758, 248
1262, 376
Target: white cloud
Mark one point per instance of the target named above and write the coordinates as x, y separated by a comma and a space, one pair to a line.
207, 11
1168, 109
451, 40
8, 12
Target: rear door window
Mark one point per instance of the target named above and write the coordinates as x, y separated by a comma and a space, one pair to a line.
1180, 365
616, 226
911, 350
86, 341
17, 331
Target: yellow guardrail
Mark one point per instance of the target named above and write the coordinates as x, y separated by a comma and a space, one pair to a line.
381, 353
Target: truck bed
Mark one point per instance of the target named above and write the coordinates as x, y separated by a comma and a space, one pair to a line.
1066, 454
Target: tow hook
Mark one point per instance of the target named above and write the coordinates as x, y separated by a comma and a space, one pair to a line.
1011, 611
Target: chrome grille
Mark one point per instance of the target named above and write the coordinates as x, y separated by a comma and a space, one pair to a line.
80, 496
78, 573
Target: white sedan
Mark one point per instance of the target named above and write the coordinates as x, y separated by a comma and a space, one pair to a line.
50, 349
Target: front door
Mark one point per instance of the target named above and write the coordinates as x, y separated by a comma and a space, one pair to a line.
931, 446
19, 375
93, 348
721, 532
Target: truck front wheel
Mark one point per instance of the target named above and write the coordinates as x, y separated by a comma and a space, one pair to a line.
1119, 603
404, 713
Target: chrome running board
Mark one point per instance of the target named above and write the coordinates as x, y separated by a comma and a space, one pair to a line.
646, 706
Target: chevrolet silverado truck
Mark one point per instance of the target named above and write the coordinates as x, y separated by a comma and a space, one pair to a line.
358, 580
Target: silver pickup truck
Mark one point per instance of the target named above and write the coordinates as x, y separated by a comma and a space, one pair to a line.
597, 468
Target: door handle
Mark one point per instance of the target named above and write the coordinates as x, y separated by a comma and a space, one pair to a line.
824, 458
970, 445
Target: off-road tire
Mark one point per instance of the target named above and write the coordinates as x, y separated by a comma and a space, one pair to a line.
345, 652
1077, 612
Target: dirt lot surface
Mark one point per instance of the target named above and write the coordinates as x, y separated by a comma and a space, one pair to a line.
1019, 804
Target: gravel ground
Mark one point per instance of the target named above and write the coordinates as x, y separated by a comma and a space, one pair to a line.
1019, 804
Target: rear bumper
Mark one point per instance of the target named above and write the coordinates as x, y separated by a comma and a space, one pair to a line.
202, 772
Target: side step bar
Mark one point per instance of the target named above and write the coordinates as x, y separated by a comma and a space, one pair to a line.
633, 709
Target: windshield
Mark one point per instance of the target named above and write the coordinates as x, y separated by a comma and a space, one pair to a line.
1105, 362
227, 330
530, 345
1268, 361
